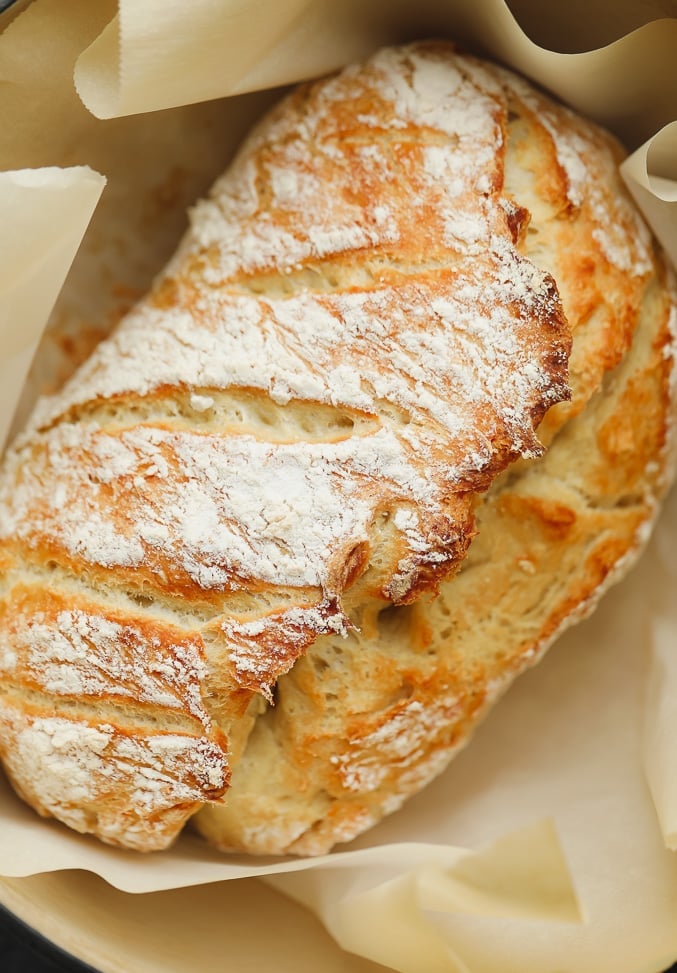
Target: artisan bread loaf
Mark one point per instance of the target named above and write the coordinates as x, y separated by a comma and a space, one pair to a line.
250, 566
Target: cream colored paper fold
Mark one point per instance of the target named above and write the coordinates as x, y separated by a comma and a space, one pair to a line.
660, 728
48, 211
651, 176
564, 747
164, 53
660, 705
155, 55
522, 875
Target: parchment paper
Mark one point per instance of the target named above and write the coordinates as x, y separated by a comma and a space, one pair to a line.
546, 818
48, 210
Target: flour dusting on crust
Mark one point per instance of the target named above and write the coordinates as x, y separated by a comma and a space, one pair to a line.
349, 346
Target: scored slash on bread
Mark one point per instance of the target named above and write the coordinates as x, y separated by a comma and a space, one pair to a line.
289, 437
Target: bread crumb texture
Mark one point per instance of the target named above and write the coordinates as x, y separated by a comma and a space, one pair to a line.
237, 569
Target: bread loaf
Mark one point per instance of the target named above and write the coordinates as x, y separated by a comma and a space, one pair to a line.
277, 545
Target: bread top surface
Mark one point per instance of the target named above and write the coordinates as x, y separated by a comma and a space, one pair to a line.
354, 284
349, 346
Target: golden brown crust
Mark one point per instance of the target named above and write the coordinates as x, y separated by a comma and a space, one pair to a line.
103, 720
552, 532
291, 435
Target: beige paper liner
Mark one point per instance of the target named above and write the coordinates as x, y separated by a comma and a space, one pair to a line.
660, 703
553, 783
156, 55
48, 211
651, 175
